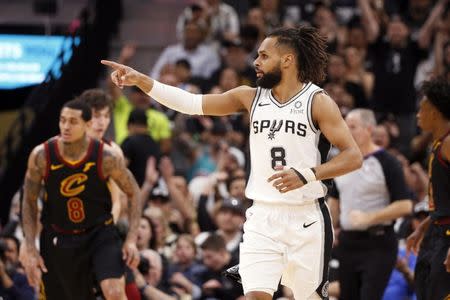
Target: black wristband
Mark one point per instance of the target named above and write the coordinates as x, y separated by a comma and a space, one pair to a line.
302, 178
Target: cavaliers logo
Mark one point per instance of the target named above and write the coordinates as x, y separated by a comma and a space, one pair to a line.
73, 185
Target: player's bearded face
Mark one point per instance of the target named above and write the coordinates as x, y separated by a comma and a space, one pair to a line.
270, 79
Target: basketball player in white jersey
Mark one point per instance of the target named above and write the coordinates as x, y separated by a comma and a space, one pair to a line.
288, 231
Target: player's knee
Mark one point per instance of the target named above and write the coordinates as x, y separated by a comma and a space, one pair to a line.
255, 295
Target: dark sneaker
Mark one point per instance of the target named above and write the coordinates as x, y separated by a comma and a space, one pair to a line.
233, 273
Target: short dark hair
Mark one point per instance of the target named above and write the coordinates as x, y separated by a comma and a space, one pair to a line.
310, 48
437, 91
232, 179
137, 117
97, 99
214, 242
13, 238
183, 63
78, 104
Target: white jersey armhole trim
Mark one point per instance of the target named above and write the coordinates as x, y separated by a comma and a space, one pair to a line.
255, 101
309, 110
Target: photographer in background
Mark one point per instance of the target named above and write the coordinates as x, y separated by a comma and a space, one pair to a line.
13, 285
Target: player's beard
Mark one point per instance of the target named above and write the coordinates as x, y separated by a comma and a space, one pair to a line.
270, 79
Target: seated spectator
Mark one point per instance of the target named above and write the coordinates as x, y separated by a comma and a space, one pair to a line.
146, 236
229, 218
217, 259
343, 99
381, 136
228, 79
13, 284
203, 58
356, 72
336, 72
184, 271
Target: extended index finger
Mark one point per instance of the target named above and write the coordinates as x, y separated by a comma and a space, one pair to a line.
111, 64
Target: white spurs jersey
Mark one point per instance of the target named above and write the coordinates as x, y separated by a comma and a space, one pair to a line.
284, 134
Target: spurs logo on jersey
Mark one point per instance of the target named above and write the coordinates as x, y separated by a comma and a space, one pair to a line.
284, 134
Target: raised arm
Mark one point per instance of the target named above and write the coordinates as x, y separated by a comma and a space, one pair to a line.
328, 118
426, 31
369, 21
113, 167
235, 100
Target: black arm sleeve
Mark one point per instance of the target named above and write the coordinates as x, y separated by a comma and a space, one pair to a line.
394, 176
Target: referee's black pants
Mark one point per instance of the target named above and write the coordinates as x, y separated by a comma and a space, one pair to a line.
366, 260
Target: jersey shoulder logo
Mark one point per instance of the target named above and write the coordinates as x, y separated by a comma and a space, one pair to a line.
87, 166
56, 167
307, 225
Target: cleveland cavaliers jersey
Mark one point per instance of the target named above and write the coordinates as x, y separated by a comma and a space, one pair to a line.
77, 195
284, 134
439, 187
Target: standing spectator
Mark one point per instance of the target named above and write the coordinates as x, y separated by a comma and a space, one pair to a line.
203, 58
221, 19
356, 73
366, 212
337, 72
138, 147
395, 60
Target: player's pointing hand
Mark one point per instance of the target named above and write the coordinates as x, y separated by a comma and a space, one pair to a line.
122, 75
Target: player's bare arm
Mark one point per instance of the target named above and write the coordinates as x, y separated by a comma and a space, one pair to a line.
113, 166
328, 118
445, 152
232, 101
29, 255
116, 194
33, 178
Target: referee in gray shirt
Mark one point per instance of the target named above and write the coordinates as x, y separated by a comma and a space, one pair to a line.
364, 205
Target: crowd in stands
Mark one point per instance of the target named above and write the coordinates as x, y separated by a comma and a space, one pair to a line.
192, 170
